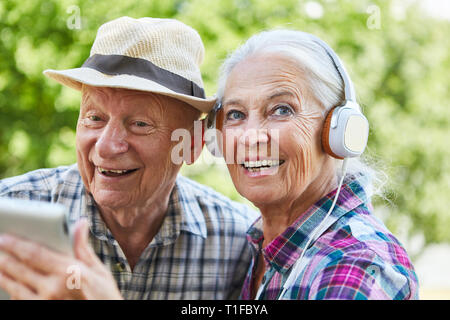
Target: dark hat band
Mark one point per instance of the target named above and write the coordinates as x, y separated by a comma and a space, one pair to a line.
118, 65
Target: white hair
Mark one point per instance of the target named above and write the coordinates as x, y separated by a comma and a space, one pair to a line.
323, 81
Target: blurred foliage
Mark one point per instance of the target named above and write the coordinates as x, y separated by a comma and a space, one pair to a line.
398, 57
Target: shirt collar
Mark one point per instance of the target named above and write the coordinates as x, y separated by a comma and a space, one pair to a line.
184, 213
186, 201
283, 251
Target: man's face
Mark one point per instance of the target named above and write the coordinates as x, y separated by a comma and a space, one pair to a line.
124, 145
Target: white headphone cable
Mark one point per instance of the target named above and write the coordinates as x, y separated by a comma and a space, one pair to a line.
296, 268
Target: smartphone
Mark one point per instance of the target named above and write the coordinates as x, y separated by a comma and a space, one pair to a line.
42, 222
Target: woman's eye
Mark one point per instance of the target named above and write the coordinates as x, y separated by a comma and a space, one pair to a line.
283, 111
141, 124
235, 115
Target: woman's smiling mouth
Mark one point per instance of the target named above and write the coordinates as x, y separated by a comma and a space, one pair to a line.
261, 165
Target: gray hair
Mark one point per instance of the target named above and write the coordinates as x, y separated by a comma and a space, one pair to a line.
324, 82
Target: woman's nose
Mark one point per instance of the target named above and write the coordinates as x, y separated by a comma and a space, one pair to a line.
254, 137
112, 141
254, 134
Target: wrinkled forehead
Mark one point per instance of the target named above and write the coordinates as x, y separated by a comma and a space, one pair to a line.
105, 95
268, 74
267, 64
119, 100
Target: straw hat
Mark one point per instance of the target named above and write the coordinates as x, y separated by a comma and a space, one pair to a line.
147, 54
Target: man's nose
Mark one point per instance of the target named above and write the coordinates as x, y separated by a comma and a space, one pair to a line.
112, 141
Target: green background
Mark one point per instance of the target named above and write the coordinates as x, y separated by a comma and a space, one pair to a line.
397, 55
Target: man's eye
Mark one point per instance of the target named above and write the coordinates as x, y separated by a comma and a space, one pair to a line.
235, 115
141, 127
94, 118
283, 111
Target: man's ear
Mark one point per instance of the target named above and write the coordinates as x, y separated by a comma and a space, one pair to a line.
197, 141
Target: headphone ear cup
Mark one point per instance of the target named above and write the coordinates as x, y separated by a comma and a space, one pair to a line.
345, 132
326, 135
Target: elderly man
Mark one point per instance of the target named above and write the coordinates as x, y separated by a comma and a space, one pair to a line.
153, 234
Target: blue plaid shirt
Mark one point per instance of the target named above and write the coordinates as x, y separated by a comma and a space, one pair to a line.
200, 251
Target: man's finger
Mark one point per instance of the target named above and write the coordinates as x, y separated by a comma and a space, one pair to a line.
82, 248
16, 270
16, 290
33, 254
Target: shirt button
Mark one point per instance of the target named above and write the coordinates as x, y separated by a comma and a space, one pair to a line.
120, 267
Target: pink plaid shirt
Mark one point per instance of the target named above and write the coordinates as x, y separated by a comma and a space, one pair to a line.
356, 258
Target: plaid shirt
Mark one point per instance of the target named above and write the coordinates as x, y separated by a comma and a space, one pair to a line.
200, 251
355, 258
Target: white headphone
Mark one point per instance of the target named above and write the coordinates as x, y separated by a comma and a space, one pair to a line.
344, 135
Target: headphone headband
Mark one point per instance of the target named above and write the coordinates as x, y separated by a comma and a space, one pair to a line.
349, 89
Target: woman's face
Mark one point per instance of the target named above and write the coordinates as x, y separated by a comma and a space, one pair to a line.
271, 129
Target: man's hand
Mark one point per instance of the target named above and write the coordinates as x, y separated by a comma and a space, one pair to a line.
31, 271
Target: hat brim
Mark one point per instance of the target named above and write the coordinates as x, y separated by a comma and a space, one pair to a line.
74, 78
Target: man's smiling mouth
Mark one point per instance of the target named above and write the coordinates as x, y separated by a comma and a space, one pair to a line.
115, 172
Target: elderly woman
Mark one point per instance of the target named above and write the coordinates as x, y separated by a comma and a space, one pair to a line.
317, 237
